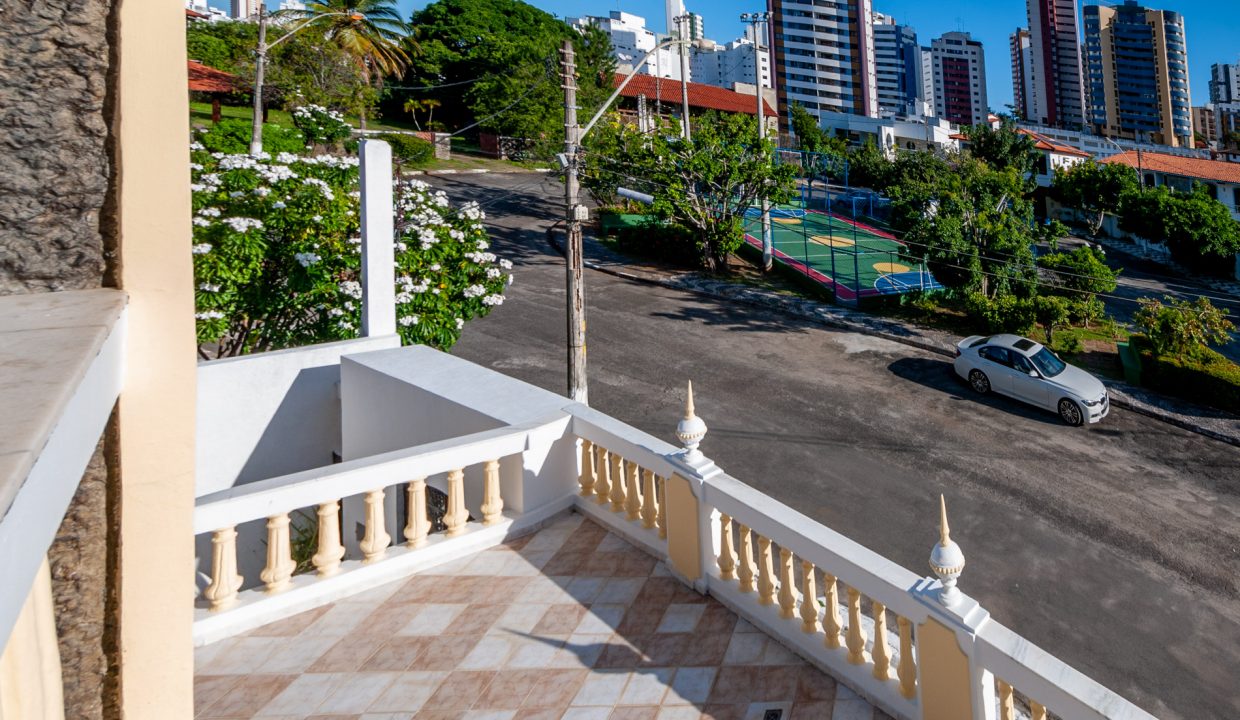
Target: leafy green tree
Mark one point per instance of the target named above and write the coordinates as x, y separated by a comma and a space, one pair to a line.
1198, 229
811, 136
869, 167
1094, 189
1082, 272
496, 63
973, 223
1051, 312
1181, 328
1002, 147
705, 184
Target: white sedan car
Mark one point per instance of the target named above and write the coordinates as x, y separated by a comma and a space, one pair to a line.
1024, 369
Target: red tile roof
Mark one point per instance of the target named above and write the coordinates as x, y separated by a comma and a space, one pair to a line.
1042, 142
203, 78
1189, 167
195, 15
708, 97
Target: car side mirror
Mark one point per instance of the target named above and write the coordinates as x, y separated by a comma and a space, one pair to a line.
1033, 373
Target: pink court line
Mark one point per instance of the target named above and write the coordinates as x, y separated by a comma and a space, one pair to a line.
841, 291
862, 226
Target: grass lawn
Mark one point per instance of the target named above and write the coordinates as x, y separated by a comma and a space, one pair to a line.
200, 114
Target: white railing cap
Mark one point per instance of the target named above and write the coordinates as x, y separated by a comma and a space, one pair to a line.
319, 485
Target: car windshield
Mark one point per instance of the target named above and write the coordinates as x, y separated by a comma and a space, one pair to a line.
1047, 363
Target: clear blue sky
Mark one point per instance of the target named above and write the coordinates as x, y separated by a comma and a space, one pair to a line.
1213, 27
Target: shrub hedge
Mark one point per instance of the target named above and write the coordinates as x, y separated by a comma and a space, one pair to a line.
231, 136
1207, 378
410, 149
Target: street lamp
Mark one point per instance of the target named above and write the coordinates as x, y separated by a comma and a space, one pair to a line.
756, 19
260, 65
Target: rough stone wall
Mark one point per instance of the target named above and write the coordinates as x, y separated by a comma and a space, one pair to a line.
54, 167
82, 592
56, 225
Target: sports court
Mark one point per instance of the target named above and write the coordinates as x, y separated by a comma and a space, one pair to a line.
855, 260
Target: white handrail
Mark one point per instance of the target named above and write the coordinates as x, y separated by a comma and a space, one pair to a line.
855, 565
312, 487
1042, 677
625, 440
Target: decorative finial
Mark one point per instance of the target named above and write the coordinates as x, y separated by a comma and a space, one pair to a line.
691, 429
947, 560
945, 531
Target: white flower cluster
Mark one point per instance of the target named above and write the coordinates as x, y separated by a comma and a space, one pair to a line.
474, 291
482, 258
196, 146
243, 224
495, 299
322, 186
209, 212
409, 320
306, 259
201, 249
209, 315
332, 161
351, 288
208, 287
306, 111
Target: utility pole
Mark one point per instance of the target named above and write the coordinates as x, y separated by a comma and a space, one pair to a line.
756, 20
575, 213
260, 64
682, 29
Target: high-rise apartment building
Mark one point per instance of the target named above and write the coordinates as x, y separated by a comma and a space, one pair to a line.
1224, 83
1056, 97
824, 56
897, 63
1021, 47
244, 9
631, 40
927, 78
1137, 66
726, 65
959, 79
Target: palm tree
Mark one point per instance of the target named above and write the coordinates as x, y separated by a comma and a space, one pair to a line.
369, 31
414, 106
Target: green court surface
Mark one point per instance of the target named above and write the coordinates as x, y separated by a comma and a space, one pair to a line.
854, 259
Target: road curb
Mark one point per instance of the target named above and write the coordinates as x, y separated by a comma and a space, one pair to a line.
478, 171
1122, 394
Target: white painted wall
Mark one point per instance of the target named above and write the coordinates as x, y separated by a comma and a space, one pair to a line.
271, 414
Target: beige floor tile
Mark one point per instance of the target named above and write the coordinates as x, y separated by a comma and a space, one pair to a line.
408, 692
491, 653
297, 654
619, 590
745, 649
339, 620
681, 618
521, 617
304, 695
459, 691
243, 656
247, 696
356, 692
209, 688
601, 689
691, 685
580, 651
601, 619
586, 589
587, 713
534, 652
432, 619
679, 712
647, 687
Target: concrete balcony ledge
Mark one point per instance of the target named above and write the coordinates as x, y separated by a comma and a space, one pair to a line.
62, 359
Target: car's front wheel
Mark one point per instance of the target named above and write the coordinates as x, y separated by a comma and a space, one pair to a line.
1070, 412
979, 382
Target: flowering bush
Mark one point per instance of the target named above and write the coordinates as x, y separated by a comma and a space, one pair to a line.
320, 125
277, 255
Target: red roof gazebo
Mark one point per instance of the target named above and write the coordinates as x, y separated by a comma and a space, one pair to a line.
206, 79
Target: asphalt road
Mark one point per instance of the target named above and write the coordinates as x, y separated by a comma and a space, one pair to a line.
1116, 547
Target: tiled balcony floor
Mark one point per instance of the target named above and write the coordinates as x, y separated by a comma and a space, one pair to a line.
570, 622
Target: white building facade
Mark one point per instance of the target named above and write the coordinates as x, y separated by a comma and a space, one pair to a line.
726, 65
897, 63
630, 40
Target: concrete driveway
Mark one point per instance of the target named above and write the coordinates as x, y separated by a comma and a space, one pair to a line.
1117, 547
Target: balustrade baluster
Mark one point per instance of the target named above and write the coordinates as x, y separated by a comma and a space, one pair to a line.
906, 671
856, 636
588, 477
809, 599
492, 502
280, 565
662, 484
418, 524
455, 518
831, 618
766, 573
1007, 701
747, 560
330, 551
225, 582
727, 555
787, 585
602, 486
376, 539
879, 651
617, 483
633, 501
650, 510
1037, 711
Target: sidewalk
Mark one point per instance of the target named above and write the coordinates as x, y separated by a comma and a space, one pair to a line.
1205, 421
1229, 287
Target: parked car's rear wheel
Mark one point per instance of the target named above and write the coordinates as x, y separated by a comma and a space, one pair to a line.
1070, 412
979, 382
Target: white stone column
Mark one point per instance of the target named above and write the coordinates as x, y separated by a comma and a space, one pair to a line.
378, 238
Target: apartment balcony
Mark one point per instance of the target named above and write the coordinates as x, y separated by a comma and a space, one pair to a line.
484, 548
